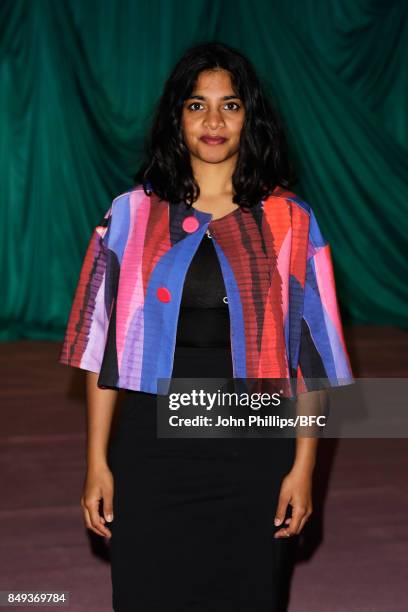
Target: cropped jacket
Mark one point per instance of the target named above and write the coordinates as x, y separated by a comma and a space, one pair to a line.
278, 274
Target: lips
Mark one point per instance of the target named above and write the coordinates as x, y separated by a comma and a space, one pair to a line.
212, 140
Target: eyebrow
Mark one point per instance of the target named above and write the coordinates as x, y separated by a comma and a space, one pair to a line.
204, 98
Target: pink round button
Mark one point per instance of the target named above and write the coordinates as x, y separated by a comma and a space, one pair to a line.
190, 224
163, 294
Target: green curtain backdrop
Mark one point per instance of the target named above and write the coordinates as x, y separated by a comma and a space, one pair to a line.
79, 78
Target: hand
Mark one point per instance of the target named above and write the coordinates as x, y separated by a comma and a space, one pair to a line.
98, 485
296, 489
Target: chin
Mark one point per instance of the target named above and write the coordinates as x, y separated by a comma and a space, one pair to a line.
214, 157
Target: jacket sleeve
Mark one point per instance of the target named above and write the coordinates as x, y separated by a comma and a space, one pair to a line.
323, 358
85, 335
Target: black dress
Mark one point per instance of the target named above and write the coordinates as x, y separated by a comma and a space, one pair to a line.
193, 518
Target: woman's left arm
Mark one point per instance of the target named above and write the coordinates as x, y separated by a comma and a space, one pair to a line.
296, 488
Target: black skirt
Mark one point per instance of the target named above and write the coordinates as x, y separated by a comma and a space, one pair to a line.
194, 518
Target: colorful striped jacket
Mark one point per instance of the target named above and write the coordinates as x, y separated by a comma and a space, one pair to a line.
278, 275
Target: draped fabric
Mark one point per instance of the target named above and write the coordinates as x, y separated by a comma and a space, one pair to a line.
78, 84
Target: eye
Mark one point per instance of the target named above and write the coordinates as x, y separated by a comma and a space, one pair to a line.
194, 104
238, 106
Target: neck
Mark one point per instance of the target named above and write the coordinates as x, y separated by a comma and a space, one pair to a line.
214, 179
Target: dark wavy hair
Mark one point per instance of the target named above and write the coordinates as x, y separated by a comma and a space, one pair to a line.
263, 161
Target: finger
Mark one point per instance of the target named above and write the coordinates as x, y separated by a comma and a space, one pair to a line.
108, 507
283, 532
302, 523
87, 518
281, 511
97, 521
88, 523
290, 530
297, 515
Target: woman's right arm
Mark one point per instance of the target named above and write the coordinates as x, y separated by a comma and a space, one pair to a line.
99, 480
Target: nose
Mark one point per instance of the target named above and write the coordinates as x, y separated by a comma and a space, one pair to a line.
213, 118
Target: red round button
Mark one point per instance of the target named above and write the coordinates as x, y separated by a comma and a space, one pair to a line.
190, 224
163, 294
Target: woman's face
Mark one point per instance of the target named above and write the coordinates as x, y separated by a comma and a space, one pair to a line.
213, 110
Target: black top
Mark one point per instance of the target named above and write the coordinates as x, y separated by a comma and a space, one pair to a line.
204, 314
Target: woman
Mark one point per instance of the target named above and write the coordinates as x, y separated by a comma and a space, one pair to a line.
193, 274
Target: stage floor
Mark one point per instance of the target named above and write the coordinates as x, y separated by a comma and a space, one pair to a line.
353, 556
